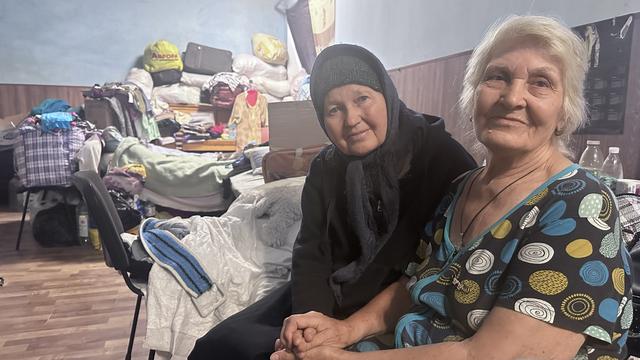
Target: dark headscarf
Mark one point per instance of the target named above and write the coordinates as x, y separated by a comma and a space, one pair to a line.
373, 194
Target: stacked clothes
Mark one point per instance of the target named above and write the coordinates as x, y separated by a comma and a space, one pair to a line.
199, 127
131, 106
125, 185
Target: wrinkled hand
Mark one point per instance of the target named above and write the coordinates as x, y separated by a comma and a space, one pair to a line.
303, 332
317, 353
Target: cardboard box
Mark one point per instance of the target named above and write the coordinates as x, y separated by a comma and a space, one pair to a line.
294, 124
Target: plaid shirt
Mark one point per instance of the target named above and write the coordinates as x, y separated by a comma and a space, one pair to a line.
46, 159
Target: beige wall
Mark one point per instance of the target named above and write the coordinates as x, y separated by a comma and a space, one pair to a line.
434, 87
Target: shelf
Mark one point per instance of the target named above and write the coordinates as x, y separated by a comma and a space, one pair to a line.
221, 116
207, 146
189, 108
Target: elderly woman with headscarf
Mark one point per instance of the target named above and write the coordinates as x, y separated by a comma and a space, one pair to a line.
364, 202
527, 258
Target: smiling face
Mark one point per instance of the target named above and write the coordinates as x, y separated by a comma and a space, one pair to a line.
355, 118
518, 103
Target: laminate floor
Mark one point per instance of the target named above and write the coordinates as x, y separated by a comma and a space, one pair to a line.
61, 303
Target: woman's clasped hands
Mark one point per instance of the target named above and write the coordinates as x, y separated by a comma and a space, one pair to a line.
312, 336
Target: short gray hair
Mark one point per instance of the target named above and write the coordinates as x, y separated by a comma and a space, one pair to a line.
552, 36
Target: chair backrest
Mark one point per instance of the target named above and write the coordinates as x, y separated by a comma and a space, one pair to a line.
629, 207
103, 212
629, 211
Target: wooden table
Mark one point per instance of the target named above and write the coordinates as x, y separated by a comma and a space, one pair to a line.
207, 146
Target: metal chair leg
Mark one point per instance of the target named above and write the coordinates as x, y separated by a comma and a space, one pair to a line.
133, 328
152, 354
24, 214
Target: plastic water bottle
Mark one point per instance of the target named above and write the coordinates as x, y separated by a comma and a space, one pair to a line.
232, 131
592, 157
83, 224
612, 168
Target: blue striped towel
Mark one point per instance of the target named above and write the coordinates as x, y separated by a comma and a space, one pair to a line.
167, 251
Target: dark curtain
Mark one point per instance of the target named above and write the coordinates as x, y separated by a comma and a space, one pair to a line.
299, 20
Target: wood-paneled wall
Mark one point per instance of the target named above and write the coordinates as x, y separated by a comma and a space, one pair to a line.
19, 98
434, 87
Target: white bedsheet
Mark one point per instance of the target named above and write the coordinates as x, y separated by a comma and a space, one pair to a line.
245, 182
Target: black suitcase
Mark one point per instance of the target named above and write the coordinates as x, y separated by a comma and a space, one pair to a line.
206, 60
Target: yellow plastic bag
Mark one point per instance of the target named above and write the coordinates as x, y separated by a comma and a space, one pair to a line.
269, 49
162, 55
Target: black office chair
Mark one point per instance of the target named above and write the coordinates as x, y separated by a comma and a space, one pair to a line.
104, 213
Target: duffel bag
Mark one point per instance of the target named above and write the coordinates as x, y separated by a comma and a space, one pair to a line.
206, 60
288, 163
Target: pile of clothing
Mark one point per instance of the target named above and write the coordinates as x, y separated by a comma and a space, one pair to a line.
144, 104
131, 112
47, 142
206, 269
48, 146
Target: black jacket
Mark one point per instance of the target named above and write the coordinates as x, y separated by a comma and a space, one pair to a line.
326, 241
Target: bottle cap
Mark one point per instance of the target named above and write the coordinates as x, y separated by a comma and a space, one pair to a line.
593, 142
614, 150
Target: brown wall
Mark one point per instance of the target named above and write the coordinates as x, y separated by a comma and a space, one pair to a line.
434, 87
19, 99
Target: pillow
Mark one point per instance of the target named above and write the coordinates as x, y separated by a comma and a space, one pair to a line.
255, 156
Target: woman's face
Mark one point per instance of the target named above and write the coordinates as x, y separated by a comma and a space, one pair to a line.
518, 103
355, 117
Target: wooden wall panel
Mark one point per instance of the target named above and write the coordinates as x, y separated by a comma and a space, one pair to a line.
19, 98
433, 87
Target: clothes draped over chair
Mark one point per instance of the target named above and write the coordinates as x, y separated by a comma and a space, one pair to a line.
131, 107
209, 268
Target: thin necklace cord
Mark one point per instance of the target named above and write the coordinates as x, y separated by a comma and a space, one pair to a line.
462, 233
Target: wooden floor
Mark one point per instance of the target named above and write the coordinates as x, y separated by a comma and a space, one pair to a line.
61, 303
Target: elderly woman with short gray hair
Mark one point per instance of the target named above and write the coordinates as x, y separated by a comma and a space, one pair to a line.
523, 259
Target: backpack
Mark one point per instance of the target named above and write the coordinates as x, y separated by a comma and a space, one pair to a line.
56, 226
